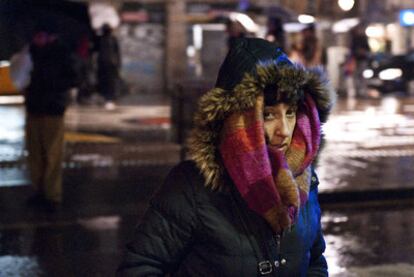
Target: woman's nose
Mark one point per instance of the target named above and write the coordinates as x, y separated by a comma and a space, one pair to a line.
281, 128
279, 132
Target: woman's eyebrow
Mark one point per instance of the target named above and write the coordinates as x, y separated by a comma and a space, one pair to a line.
271, 108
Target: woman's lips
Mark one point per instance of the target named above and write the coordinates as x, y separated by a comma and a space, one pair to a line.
280, 147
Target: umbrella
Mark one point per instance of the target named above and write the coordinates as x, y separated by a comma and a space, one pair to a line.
103, 13
285, 14
246, 22
21, 18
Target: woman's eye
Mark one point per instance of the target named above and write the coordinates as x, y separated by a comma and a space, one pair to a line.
290, 113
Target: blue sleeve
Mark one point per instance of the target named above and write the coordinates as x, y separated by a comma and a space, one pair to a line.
317, 265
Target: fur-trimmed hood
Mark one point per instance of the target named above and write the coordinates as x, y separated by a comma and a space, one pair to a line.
248, 68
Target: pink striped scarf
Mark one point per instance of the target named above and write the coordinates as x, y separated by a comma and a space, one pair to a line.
274, 185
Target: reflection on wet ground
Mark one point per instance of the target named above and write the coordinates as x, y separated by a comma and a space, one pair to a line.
359, 243
369, 143
369, 146
365, 240
114, 161
77, 249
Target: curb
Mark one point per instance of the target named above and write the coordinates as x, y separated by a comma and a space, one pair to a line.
366, 195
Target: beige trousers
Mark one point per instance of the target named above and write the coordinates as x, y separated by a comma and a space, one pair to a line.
44, 143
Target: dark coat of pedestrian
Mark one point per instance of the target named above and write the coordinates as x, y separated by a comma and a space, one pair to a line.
360, 54
109, 62
359, 48
51, 77
275, 32
46, 99
246, 203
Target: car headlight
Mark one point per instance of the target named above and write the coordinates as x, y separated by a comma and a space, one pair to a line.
368, 73
4, 63
390, 74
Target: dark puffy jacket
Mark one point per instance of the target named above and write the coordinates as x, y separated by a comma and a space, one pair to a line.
52, 76
190, 230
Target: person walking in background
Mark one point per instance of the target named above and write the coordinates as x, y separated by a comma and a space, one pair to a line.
246, 203
46, 98
275, 32
360, 52
310, 51
234, 31
84, 69
109, 62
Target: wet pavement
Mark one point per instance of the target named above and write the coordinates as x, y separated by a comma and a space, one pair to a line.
370, 145
114, 160
375, 240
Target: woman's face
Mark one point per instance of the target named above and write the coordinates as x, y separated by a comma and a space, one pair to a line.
279, 123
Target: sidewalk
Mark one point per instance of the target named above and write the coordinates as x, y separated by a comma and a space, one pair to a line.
368, 154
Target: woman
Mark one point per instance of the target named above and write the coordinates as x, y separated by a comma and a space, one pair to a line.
246, 204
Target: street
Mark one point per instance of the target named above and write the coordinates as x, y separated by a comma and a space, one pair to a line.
115, 160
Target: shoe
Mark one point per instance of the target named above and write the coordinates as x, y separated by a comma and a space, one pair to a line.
51, 206
38, 201
35, 200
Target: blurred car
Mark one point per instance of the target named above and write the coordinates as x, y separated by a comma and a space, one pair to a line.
391, 74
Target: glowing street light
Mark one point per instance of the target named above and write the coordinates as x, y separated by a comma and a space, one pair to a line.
407, 17
306, 19
346, 5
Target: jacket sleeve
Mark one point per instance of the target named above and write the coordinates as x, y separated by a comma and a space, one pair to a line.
165, 233
318, 266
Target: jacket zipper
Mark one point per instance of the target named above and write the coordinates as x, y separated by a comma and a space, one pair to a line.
277, 239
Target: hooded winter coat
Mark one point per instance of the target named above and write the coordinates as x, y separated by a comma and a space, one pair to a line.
198, 224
